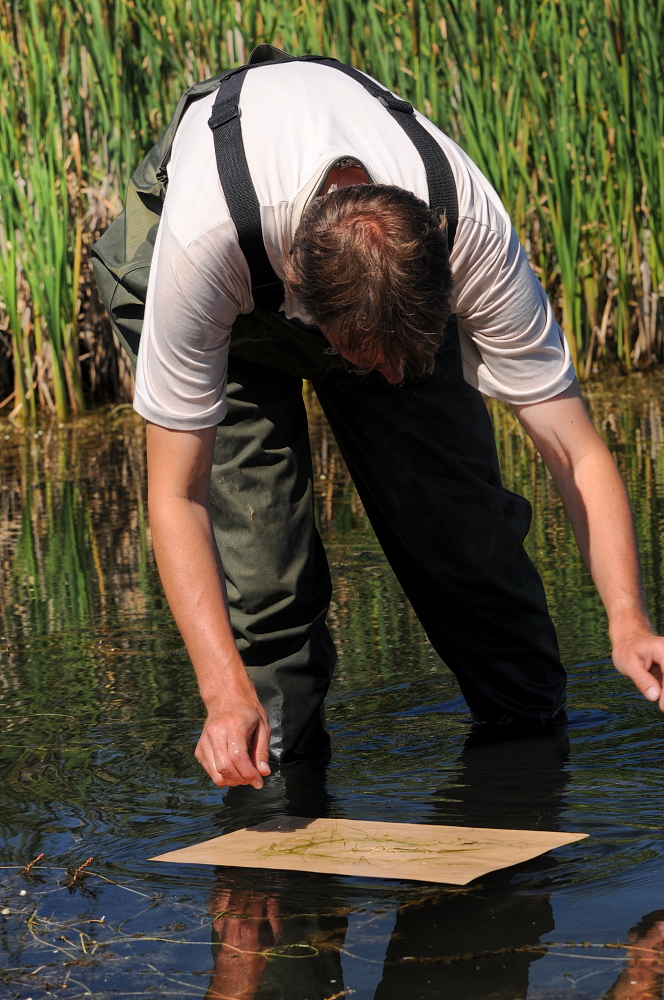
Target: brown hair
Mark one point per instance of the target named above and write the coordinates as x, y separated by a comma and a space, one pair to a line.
371, 262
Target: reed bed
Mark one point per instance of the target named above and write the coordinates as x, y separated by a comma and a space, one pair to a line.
560, 102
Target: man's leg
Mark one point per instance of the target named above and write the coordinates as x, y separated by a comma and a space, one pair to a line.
423, 458
276, 570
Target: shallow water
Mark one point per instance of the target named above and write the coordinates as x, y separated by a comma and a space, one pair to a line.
100, 715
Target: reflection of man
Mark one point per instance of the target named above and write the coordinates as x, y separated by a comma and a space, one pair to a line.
517, 782
644, 976
485, 930
255, 911
250, 925
469, 943
246, 925
343, 196
251, 922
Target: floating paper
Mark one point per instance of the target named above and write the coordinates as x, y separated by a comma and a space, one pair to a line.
454, 854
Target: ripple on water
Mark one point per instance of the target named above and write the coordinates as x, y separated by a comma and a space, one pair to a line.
100, 716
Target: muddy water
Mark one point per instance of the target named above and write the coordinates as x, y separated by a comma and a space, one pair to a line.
100, 715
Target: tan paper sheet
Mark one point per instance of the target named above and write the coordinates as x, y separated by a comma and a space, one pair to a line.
453, 854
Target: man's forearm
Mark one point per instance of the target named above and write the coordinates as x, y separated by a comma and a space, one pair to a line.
233, 747
596, 502
191, 575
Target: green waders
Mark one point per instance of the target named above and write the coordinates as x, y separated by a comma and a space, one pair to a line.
423, 458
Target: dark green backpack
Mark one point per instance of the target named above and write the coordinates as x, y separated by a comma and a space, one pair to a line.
122, 257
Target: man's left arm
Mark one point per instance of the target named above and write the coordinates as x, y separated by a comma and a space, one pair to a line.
596, 502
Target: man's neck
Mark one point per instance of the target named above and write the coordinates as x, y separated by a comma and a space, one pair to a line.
344, 177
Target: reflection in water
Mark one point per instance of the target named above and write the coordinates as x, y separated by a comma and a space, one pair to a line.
258, 939
73, 535
261, 951
99, 715
476, 942
245, 926
644, 976
469, 943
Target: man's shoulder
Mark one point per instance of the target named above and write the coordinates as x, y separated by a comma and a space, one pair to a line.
292, 116
195, 204
481, 212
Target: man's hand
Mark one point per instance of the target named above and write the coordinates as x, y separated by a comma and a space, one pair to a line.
596, 502
233, 747
248, 925
641, 659
234, 742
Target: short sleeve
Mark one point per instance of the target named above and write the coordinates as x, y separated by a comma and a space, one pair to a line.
194, 294
512, 347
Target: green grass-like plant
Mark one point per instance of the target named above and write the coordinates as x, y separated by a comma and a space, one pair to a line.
560, 102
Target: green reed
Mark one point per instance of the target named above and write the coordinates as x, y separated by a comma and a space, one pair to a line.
71, 544
560, 102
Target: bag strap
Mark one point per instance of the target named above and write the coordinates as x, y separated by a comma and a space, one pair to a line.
238, 188
440, 179
240, 192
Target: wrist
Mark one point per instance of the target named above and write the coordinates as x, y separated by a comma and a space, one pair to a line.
225, 686
627, 623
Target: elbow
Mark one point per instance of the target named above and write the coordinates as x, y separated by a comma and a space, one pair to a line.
172, 504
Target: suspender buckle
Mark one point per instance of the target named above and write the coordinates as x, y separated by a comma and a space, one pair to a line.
394, 103
223, 113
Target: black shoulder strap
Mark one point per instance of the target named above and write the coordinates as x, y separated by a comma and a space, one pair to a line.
240, 192
440, 179
267, 289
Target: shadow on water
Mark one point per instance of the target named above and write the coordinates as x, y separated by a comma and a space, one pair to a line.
100, 715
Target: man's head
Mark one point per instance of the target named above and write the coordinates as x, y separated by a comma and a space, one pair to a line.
370, 264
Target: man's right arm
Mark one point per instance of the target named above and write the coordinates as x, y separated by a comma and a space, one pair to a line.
233, 747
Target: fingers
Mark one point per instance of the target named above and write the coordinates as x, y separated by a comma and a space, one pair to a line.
204, 754
644, 681
646, 951
260, 749
225, 750
641, 660
220, 902
656, 672
228, 764
239, 760
274, 916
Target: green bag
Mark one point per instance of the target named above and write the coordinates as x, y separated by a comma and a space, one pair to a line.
121, 258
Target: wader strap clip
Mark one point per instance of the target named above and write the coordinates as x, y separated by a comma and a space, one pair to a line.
223, 113
391, 102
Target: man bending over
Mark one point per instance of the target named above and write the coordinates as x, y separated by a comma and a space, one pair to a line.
398, 336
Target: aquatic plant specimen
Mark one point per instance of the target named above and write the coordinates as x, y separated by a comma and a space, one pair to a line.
561, 105
424, 852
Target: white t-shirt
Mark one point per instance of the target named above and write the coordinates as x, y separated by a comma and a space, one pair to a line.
297, 120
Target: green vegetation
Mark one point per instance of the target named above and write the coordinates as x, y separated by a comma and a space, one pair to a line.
560, 102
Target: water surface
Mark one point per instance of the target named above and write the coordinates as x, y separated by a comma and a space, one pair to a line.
100, 716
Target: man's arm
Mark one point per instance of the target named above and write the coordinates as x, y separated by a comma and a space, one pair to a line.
596, 502
233, 747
